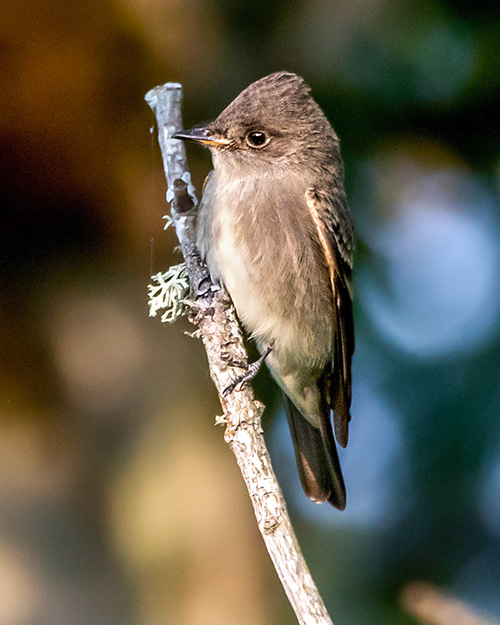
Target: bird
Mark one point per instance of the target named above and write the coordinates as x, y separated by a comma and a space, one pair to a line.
274, 227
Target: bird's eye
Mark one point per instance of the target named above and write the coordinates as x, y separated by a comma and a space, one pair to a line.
257, 139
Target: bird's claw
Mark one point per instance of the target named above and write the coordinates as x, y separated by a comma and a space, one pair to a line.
251, 371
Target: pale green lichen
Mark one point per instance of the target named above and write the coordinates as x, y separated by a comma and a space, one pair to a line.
168, 292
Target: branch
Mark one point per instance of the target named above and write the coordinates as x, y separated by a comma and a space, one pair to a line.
213, 313
432, 606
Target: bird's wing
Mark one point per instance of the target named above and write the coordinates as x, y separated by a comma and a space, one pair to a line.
336, 236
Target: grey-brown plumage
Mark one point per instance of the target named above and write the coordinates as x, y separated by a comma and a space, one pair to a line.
274, 227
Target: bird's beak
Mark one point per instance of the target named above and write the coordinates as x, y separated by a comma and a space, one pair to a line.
204, 136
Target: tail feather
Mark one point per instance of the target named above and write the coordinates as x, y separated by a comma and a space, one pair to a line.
317, 458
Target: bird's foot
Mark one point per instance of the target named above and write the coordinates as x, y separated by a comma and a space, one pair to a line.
251, 371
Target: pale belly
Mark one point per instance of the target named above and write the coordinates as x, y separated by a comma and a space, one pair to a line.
280, 302
245, 284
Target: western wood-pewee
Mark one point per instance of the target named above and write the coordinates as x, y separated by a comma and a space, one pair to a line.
274, 227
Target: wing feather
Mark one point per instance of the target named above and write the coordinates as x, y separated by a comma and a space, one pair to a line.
336, 239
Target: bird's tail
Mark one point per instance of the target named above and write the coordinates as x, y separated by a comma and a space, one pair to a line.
317, 458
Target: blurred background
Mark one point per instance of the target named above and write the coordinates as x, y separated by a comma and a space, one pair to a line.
119, 501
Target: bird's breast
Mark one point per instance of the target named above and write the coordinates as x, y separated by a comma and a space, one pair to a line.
264, 249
